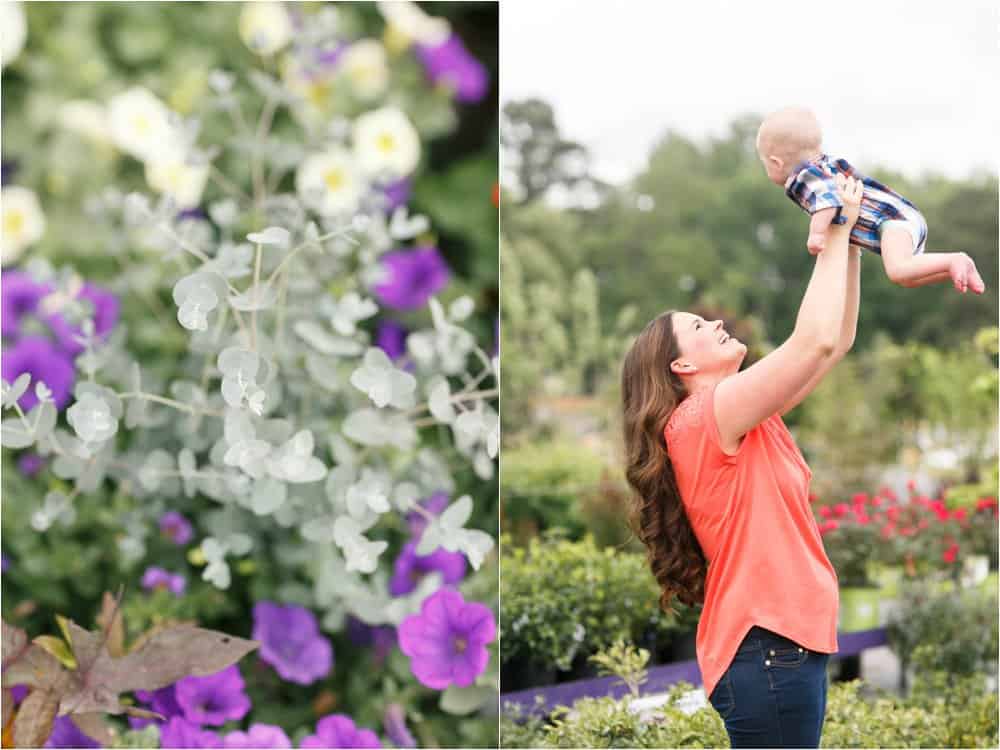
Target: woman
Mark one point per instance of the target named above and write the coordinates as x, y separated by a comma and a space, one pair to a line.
722, 498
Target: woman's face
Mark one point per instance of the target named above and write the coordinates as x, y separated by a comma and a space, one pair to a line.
705, 346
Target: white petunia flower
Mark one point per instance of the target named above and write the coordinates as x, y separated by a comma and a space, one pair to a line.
140, 125
366, 67
330, 182
408, 19
384, 384
85, 118
183, 182
15, 31
386, 144
265, 27
23, 222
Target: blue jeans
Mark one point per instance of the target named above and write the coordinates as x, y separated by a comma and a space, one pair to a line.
773, 694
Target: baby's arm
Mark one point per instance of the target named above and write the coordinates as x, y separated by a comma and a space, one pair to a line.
818, 225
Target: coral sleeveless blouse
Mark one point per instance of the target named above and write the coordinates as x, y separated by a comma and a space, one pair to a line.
750, 512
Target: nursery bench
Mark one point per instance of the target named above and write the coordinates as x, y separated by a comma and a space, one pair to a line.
659, 678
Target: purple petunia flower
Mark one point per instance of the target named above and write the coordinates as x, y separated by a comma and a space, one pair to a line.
450, 63
391, 338
105, 318
179, 732
412, 277
397, 193
30, 463
192, 214
435, 503
291, 642
37, 355
213, 699
410, 567
382, 638
163, 701
446, 642
4, 565
394, 721
259, 735
158, 578
19, 692
20, 295
65, 733
338, 730
175, 527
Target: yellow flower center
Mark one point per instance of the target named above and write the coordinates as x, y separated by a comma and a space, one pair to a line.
13, 222
318, 94
334, 179
385, 142
141, 124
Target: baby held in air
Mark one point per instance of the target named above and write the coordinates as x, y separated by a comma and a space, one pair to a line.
789, 144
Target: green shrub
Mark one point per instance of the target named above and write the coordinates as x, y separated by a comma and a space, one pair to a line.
563, 600
543, 484
967, 717
959, 627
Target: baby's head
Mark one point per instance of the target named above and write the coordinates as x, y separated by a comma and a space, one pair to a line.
785, 138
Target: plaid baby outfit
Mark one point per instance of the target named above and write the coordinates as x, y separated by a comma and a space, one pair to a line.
812, 186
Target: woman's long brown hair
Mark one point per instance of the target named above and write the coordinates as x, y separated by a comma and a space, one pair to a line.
650, 393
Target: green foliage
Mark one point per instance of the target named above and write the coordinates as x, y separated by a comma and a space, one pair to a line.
543, 484
625, 661
959, 627
963, 716
565, 599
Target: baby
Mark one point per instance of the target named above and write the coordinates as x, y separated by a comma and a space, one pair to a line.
789, 144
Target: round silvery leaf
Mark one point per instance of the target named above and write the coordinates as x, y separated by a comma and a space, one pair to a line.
12, 393
372, 427
420, 346
105, 394
193, 313
220, 81
457, 514
261, 296
91, 418
233, 261
13, 434
271, 236
239, 544
319, 530
405, 496
439, 402
188, 468
156, 464
43, 416
469, 424
249, 455
349, 310
342, 451
238, 427
217, 573
319, 339
40, 521
255, 399
461, 308
204, 280
213, 549
323, 371
268, 495
475, 544
482, 464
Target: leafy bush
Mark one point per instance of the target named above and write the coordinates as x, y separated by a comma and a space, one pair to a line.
960, 627
965, 717
543, 485
563, 600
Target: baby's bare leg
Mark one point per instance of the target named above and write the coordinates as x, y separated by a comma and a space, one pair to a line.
909, 270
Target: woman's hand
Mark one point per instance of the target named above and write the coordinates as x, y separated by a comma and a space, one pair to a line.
849, 189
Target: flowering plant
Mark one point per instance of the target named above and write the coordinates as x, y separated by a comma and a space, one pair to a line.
272, 394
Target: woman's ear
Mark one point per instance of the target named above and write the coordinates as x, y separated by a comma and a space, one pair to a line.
680, 367
776, 161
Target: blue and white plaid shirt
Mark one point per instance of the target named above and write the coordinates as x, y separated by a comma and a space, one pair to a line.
813, 187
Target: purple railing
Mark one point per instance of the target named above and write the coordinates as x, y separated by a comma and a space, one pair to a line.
660, 678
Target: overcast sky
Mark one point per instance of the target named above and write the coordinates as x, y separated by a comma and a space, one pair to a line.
909, 85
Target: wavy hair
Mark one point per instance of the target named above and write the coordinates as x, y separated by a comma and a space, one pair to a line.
650, 393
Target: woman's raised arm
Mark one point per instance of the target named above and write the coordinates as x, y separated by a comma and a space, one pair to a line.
747, 398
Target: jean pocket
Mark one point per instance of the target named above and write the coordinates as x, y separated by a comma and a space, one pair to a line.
785, 656
722, 698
